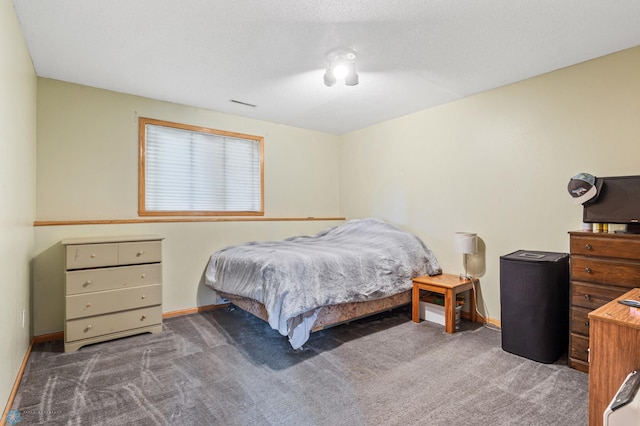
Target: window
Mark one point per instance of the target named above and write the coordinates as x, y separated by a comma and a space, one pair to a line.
189, 170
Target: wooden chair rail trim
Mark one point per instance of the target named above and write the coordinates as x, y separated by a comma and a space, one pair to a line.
177, 220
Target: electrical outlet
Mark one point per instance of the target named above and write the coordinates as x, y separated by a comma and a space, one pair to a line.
23, 314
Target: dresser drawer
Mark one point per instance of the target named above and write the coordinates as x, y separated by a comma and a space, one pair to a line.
85, 328
84, 281
84, 256
580, 320
139, 252
621, 248
593, 296
579, 347
622, 273
101, 302
91, 255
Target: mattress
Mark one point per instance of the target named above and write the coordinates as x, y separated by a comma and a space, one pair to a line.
360, 260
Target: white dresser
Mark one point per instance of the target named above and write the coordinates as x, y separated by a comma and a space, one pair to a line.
113, 288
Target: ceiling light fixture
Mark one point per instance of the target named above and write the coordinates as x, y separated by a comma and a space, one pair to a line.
341, 65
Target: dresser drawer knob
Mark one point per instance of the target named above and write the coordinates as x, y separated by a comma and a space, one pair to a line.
88, 305
144, 296
586, 323
587, 296
587, 270
89, 327
587, 246
143, 318
140, 253
86, 283
93, 256
143, 276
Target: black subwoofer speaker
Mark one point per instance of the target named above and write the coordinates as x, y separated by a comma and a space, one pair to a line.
534, 304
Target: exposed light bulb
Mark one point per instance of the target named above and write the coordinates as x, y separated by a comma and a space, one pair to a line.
351, 79
329, 78
340, 71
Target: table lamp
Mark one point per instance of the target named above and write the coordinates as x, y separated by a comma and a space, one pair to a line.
465, 243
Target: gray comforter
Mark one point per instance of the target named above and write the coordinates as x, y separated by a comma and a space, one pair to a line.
359, 260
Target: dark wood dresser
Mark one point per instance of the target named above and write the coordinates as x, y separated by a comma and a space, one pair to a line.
615, 352
603, 267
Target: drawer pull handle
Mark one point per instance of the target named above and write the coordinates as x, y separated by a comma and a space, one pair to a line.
93, 256
586, 351
587, 270
143, 318
587, 296
586, 323
140, 253
89, 327
88, 305
587, 246
88, 282
143, 276
144, 296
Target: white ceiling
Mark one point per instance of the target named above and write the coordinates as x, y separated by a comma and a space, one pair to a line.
412, 54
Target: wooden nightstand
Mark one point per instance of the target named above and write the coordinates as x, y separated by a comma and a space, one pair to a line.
449, 285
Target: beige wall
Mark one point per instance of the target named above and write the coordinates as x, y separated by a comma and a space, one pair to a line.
498, 163
17, 193
87, 169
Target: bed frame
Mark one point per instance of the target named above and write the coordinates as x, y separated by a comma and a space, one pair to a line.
332, 315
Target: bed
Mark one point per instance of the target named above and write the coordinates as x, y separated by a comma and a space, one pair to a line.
307, 283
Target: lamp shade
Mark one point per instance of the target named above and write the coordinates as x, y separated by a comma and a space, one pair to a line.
465, 242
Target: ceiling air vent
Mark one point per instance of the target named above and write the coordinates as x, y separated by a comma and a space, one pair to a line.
242, 103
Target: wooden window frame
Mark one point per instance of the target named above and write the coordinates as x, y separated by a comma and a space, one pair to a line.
142, 210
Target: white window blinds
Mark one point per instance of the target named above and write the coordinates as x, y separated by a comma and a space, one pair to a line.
194, 171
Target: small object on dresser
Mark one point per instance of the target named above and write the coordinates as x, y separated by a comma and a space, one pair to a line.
630, 302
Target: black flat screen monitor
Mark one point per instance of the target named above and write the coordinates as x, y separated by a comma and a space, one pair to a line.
617, 202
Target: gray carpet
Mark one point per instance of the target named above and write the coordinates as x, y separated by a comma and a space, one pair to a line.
229, 368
